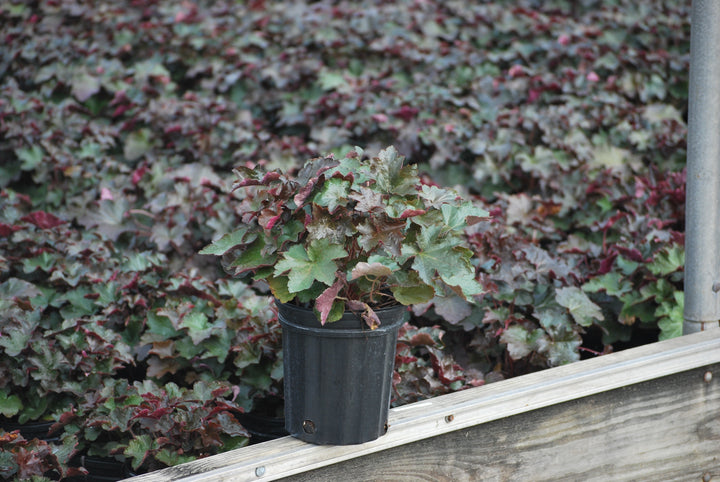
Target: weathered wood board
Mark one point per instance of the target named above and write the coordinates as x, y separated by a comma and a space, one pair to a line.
660, 430
648, 413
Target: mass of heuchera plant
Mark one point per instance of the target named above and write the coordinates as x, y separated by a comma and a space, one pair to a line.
352, 234
154, 426
121, 123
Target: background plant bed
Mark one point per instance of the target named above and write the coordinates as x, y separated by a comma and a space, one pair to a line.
566, 120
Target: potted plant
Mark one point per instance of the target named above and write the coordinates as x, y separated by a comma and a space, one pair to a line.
344, 246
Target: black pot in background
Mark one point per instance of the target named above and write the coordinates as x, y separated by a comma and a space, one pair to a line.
338, 377
262, 427
100, 469
30, 430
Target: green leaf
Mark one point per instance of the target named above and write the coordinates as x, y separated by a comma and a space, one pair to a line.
614, 284
561, 352
197, 325
81, 305
464, 279
84, 85
521, 342
227, 242
279, 288
668, 260
438, 255
331, 80
409, 289
219, 345
637, 306
455, 217
582, 309
336, 312
31, 157
138, 449
411, 295
10, 405
554, 319
253, 257
390, 174
333, 193
304, 267
34, 408
171, 457
137, 144
432, 254
671, 316
160, 325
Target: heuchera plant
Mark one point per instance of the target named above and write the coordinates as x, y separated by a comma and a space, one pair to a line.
352, 234
35, 459
154, 426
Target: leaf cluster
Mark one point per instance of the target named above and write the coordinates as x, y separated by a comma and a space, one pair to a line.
352, 234
22, 459
155, 426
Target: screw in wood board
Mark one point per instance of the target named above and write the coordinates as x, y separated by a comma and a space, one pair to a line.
308, 426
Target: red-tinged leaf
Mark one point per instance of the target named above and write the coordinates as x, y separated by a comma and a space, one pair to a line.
23, 304
614, 219
405, 360
120, 110
408, 213
607, 263
43, 220
446, 371
7, 229
65, 418
406, 113
9, 436
371, 318
156, 414
422, 339
76, 472
631, 253
377, 270
271, 222
304, 193
368, 314
138, 174
325, 301
270, 177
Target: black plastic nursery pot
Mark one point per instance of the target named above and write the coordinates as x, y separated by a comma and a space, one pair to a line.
338, 377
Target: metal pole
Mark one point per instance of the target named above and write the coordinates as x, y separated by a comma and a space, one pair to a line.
702, 215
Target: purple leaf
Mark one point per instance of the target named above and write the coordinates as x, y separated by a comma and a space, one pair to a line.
325, 301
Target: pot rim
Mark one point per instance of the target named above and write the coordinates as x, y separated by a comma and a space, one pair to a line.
305, 320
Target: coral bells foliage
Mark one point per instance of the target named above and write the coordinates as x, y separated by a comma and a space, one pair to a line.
352, 234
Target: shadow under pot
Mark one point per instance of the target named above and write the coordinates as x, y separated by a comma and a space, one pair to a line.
338, 377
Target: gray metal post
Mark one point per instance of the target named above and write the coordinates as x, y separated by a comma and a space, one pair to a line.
702, 228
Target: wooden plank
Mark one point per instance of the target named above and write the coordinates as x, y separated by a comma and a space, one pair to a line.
459, 411
664, 429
